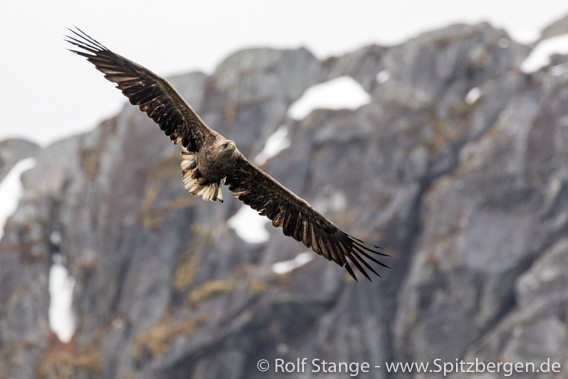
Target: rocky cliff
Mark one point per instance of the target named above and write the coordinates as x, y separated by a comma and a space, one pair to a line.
456, 166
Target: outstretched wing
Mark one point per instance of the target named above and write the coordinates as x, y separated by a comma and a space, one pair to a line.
152, 93
298, 219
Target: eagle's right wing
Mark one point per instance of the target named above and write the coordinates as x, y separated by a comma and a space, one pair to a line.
298, 219
152, 93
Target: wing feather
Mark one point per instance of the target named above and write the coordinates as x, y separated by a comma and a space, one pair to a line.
153, 94
299, 220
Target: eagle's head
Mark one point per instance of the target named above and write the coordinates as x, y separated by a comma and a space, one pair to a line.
226, 149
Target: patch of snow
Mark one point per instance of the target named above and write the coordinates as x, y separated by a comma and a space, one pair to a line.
61, 284
540, 55
55, 237
287, 266
343, 92
382, 76
11, 190
473, 95
559, 69
503, 43
249, 225
338, 202
277, 142
334, 202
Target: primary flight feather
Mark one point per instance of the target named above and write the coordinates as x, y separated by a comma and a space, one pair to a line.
209, 160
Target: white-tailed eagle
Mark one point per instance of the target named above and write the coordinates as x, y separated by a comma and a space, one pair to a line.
209, 160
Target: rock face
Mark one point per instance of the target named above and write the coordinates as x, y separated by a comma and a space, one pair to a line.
457, 167
12, 151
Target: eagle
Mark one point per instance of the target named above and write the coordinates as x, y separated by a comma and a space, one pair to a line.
210, 160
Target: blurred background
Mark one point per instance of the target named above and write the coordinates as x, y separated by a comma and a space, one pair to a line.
438, 130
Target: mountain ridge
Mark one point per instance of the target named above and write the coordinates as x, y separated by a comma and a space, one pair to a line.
467, 194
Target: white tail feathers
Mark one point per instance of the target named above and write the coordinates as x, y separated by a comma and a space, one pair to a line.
195, 183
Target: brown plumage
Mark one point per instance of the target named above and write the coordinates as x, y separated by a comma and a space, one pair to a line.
208, 159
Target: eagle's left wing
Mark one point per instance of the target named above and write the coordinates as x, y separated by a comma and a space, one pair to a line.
153, 94
298, 219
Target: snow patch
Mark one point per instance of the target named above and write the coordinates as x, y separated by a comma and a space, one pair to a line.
343, 92
559, 69
382, 76
338, 202
473, 95
334, 202
503, 43
61, 284
540, 55
249, 225
287, 266
11, 190
277, 142
55, 238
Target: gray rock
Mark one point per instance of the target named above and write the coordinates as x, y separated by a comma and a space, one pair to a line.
466, 190
535, 330
557, 28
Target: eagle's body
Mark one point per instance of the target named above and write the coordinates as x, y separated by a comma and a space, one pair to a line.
209, 160
202, 172
217, 159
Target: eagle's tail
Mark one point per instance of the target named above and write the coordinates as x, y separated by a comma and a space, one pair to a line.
195, 183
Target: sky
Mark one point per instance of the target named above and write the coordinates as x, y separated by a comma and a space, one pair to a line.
48, 93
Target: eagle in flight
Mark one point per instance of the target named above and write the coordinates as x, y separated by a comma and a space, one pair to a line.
209, 160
